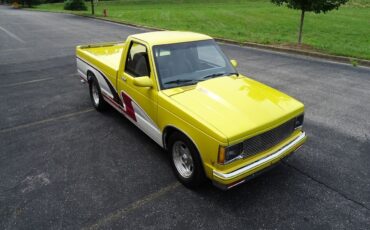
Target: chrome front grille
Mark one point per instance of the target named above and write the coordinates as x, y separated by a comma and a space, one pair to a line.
268, 139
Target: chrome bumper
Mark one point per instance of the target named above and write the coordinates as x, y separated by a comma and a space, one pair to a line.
256, 164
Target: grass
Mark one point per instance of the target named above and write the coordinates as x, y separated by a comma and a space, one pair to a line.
341, 32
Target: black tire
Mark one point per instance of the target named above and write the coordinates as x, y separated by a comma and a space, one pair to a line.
98, 101
197, 177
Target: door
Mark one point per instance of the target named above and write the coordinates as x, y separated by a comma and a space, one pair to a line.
140, 103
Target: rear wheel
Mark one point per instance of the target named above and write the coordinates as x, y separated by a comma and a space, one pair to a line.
185, 161
96, 95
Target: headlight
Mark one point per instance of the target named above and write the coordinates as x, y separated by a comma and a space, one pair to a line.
298, 123
230, 153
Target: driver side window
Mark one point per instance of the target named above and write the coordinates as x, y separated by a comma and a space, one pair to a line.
137, 62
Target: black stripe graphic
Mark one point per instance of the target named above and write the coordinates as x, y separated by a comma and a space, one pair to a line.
112, 89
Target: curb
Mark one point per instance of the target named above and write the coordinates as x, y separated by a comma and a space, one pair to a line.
342, 59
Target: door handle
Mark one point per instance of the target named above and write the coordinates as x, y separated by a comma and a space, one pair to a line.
123, 78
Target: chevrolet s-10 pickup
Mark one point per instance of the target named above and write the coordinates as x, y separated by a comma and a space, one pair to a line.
182, 91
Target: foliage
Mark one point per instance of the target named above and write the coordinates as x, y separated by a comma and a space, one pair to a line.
77, 5
354, 62
316, 6
15, 5
53, 1
30, 3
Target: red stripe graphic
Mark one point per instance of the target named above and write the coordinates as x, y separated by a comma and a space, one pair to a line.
128, 104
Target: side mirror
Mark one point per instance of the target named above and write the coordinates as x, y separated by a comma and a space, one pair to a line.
234, 63
143, 81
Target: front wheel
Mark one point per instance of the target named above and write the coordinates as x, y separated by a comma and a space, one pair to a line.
96, 95
185, 161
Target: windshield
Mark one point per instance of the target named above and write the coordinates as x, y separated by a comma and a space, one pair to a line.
190, 62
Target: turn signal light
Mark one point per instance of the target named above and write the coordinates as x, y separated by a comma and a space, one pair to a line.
221, 154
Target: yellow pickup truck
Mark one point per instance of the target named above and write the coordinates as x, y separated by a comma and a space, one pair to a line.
182, 91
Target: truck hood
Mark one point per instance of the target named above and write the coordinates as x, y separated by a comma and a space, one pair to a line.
238, 107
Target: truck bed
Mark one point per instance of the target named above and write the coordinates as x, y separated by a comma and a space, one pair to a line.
104, 56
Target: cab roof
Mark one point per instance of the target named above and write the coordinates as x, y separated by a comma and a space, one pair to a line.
169, 37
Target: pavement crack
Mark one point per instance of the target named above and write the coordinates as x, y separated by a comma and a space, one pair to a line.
327, 186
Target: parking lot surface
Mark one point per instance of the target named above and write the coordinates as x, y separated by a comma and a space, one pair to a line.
65, 166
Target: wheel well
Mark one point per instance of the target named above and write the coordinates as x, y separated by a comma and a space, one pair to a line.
89, 75
169, 130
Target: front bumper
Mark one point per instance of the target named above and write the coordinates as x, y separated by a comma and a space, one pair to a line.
231, 179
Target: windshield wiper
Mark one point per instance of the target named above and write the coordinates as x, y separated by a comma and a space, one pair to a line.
179, 81
219, 75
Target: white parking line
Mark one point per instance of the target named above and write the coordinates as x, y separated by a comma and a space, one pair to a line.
12, 35
133, 206
26, 82
44, 121
35, 81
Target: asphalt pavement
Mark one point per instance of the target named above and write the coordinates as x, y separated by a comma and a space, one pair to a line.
65, 166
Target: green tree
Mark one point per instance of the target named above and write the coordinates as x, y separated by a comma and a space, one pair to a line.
75, 5
317, 6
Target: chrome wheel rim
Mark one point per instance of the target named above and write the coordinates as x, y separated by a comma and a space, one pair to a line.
95, 93
182, 159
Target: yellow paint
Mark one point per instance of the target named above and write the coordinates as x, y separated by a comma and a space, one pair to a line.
217, 112
169, 37
143, 82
